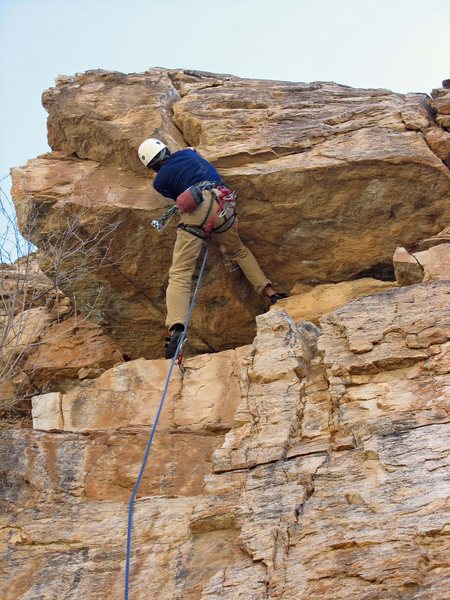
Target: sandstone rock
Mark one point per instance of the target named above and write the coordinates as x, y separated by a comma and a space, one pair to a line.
89, 373
7, 391
66, 348
331, 481
22, 284
307, 303
378, 364
435, 262
407, 269
439, 142
431, 264
104, 116
444, 121
442, 104
417, 115
320, 170
92, 532
268, 409
28, 302
23, 331
374, 508
69, 467
41, 346
441, 238
312, 464
46, 412
128, 395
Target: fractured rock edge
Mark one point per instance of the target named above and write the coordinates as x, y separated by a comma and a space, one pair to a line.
270, 502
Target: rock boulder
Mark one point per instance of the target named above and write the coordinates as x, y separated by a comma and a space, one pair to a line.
330, 181
312, 464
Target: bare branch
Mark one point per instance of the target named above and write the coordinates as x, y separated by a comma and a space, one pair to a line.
71, 240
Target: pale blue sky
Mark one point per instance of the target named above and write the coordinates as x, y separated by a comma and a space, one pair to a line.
403, 45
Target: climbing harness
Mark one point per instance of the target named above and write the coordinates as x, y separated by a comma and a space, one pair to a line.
191, 198
159, 224
174, 361
226, 200
226, 203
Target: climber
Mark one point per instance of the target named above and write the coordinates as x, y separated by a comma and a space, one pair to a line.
207, 208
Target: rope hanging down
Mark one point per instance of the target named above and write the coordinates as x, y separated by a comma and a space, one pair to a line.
155, 424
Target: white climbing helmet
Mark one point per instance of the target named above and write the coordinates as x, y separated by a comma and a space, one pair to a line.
149, 149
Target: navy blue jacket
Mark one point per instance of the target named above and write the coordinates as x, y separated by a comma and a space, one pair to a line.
181, 170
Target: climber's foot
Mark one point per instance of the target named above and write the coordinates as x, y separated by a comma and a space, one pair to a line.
273, 295
172, 341
277, 296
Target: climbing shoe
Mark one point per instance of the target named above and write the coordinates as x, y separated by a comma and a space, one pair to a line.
172, 341
275, 297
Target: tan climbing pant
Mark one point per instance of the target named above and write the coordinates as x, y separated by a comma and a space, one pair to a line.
187, 249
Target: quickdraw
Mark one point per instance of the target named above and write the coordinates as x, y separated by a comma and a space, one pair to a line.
180, 357
159, 224
227, 200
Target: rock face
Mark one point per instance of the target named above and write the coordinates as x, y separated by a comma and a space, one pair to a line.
44, 342
330, 181
432, 262
312, 464
309, 303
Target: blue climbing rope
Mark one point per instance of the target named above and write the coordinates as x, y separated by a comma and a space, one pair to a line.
155, 424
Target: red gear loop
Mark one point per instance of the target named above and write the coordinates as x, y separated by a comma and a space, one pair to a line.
226, 198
